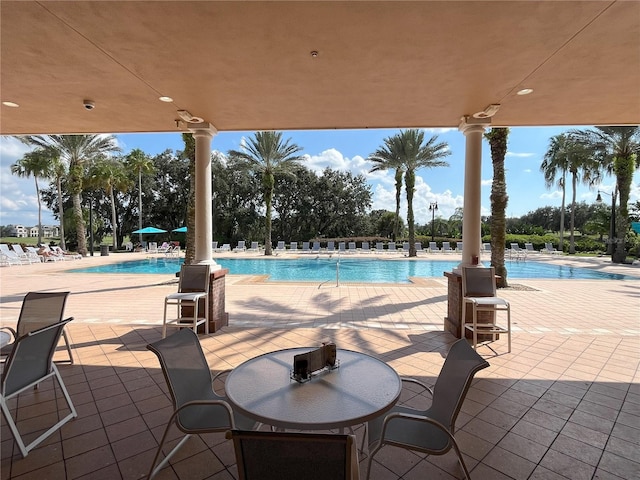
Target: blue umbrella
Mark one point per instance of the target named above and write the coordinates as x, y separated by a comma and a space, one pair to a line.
150, 230
180, 230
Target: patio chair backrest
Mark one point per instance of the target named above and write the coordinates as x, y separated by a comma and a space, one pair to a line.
40, 309
478, 282
287, 455
31, 357
365, 246
194, 278
453, 382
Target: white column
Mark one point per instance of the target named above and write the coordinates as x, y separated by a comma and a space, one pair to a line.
471, 225
203, 133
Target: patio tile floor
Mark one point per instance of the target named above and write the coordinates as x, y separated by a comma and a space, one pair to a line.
564, 404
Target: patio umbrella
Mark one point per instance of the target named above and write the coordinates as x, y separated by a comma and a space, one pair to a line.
149, 230
180, 230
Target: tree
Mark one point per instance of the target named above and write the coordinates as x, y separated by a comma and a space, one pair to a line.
36, 163
409, 148
266, 155
140, 163
110, 175
76, 151
189, 154
58, 172
388, 157
616, 150
497, 138
554, 168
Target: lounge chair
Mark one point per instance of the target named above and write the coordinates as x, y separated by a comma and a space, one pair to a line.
486, 249
30, 363
226, 247
294, 455
342, 247
433, 247
528, 247
153, 247
405, 248
379, 247
11, 257
516, 252
446, 247
365, 247
391, 247
459, 247
254, 247
549, 248
293, 247
197, 409
430, 431
164, 247
193, 290
316, 247
26, 257
282, 247
352, 248
66, 255
34, 251
305, 247
214, 246
331, 246
38, 310
479, 290
419, 247
241, 247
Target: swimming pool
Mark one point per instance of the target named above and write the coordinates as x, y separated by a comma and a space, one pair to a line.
323, 269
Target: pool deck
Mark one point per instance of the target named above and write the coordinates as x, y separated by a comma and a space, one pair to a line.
565, 403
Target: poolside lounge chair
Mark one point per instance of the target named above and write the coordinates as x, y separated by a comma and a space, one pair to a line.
34, 251
30, 363
197, 409
240, 247
152, 247
528, 247
459, 247
254, 247
549, 248
281, 247
486, 249
26, 257
516, 252
226, 247
433, 247
11, 257
379, 247
430, 431
342, 247
193, 290
293, 247
365, 247
289, 455
331, 246
479, 290
68, 256
305, 247
164, 247
419, 247
316, 247
214, 246
446, 247
38, 310
352, 247
405, 248
391, 247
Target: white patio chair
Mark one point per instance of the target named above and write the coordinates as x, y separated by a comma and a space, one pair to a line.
193, 290
391, 247
241, 247
352, 248
26, 257
433, 247
305, 247
365, 247
11, 257
446, 247
293, 247
254, 247
342, 247
281, 247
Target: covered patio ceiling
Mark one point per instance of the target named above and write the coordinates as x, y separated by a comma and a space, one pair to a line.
249, 65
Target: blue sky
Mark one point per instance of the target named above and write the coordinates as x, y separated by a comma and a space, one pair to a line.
347, 150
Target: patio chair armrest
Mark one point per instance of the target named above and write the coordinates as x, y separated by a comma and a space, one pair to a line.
10, 330
417, 382
417, 418
193, 403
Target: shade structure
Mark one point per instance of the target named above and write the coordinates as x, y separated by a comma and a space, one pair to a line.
180, 230
150, 230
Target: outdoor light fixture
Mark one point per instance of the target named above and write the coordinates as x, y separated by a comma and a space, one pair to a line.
612, 223
187, 117
314, 53
165, 99
10, 104
524, 91
488, 112
433, 206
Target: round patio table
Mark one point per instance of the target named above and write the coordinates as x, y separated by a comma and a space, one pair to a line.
360, 389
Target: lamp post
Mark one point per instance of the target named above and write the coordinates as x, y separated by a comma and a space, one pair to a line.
612, 224
433, 206
91, 224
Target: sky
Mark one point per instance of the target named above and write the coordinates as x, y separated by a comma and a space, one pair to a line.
347, 150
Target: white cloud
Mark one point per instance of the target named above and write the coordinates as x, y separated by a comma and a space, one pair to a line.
335, 160
440, 131
552, 195
527, 170
520, 155
486, 183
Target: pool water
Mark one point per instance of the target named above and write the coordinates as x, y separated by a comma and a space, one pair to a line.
323, 269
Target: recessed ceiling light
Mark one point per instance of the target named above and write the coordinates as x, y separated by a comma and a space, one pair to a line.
524, 91
10, 104
166, 99
314, 54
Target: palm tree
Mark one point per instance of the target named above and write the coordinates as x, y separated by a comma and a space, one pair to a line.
139, 162
36, 163
58, 172
76, 151
554, 168
387, 158
267, 155
110, 174
567, 155
497, 138
616, 149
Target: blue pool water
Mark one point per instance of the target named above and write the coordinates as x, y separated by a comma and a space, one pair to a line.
323, 269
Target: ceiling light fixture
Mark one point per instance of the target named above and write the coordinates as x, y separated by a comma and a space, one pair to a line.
488, 112
314, 53
166, 99
524, 91
10, 104
187, 117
